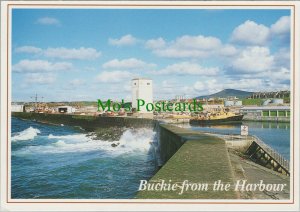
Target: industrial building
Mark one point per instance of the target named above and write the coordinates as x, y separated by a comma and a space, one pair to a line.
142, 89
266, 113
273, 102
65, 109
231, 103
17, 108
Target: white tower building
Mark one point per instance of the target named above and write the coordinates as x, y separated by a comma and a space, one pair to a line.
142, 89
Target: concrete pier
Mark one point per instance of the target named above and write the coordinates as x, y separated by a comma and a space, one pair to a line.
199, 158
205, 158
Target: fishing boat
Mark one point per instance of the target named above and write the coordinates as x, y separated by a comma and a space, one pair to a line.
216, 118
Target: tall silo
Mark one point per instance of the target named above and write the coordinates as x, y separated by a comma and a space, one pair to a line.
142, 89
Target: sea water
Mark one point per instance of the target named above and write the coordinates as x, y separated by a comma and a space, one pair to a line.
276, 135
60, 162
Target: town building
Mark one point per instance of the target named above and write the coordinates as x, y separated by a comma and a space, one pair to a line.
142, 89
266, 113
65, 109
17, 108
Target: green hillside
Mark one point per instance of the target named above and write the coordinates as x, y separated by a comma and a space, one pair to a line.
228, 92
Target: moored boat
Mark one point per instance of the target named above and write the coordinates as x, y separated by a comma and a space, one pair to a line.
216, 118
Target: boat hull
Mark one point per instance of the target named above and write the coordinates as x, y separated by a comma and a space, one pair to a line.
233, 119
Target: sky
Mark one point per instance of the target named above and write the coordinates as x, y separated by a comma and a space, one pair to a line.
90, 54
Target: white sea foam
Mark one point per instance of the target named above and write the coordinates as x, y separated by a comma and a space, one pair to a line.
131, 140
136, 140
27, 134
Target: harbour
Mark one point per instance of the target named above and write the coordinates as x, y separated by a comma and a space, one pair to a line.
277, 135
221, 140
129, 125
139, 106
158, 152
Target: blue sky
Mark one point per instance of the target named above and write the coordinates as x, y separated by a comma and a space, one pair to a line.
86, 54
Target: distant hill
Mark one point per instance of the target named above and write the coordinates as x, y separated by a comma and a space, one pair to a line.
228, 92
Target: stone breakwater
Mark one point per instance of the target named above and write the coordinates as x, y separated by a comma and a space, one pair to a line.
104, 128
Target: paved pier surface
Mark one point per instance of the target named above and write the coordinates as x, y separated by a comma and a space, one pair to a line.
201, 159
253, 173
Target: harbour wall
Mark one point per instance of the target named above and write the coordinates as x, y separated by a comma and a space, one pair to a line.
195, 159
169, 142
191, 157
89, 123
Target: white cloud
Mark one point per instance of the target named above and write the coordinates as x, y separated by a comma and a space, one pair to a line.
48, 21
126, 40
186, 47
169, 83
80, 53
282, 58
167, 89
252, 84
251, 33
228, 50
188, 68
197, 42
168, 86
282, 26
28, 49
279, 74
40, 66
190, 92
253, 59
130, 63
113, 76
39, 78
155, 43
215, 85
210, 85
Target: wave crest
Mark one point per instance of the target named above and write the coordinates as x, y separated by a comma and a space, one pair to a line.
28, 134
131, 141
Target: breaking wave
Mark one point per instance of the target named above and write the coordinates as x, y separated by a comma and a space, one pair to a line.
28, 134
136, 140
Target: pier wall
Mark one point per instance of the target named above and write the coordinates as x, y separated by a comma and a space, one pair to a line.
193, 157
169, 141
88, 123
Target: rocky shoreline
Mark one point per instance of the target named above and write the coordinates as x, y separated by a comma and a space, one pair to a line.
108, 134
